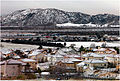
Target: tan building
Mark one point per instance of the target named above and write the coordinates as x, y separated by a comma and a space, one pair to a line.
12, 67
92, 56
96, 63
92, 63
105, 51
71, 62
115, 59
31, 62
38, 55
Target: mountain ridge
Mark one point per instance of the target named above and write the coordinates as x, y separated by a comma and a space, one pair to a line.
50, 16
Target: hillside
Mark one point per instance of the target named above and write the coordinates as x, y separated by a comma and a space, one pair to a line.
50, 16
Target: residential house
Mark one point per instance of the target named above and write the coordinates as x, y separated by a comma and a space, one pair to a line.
71, 62
54, 58
91, 63
31, 62
11, 67
114, 59
92, 56
44, 66
105, 51
96, 63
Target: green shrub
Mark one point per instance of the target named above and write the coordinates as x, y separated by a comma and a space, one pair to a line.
21, 77
31, 76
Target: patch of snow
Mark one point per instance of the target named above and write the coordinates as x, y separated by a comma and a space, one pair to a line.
87, 44
45, 73
77, 25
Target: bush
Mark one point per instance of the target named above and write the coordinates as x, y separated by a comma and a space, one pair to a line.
31, 76
117, 49
21, 77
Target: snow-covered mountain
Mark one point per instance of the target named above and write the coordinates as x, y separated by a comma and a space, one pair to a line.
49, 16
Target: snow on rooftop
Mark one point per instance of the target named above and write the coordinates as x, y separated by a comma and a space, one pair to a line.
2, 62
74, 59
66, 49
16, 57
95, 61
60, 52
73, 55
117, 56
35, 52
104, 49
28, 60
5, 51
81, 64
44, 64
93, 54
11, 61
70, 60
57, 55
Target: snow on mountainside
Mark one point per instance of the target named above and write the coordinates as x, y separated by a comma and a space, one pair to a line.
50, 16
77, 25
85, 25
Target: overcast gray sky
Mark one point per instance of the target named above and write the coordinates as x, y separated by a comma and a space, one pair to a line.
86, 6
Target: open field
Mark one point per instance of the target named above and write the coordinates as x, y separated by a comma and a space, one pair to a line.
87, 44
60, 80
78, 44
63, 30
18, 46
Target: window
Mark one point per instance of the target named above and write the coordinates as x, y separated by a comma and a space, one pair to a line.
85, 65
13, 73
14, 67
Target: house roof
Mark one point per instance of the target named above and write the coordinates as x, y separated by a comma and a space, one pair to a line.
28, 60
34, 53
6, 51
57, 55
14, 62
61, 52
94, 61
101, 49
117, 56
70, 60
93, 55
66, 49
44, 64
16, 57
81, 64
104, 49
2, 62
72, 55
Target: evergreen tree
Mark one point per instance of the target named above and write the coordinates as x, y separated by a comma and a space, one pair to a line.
103, 45
81, 49
39, 70
64, 44
40, 47
117, 49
